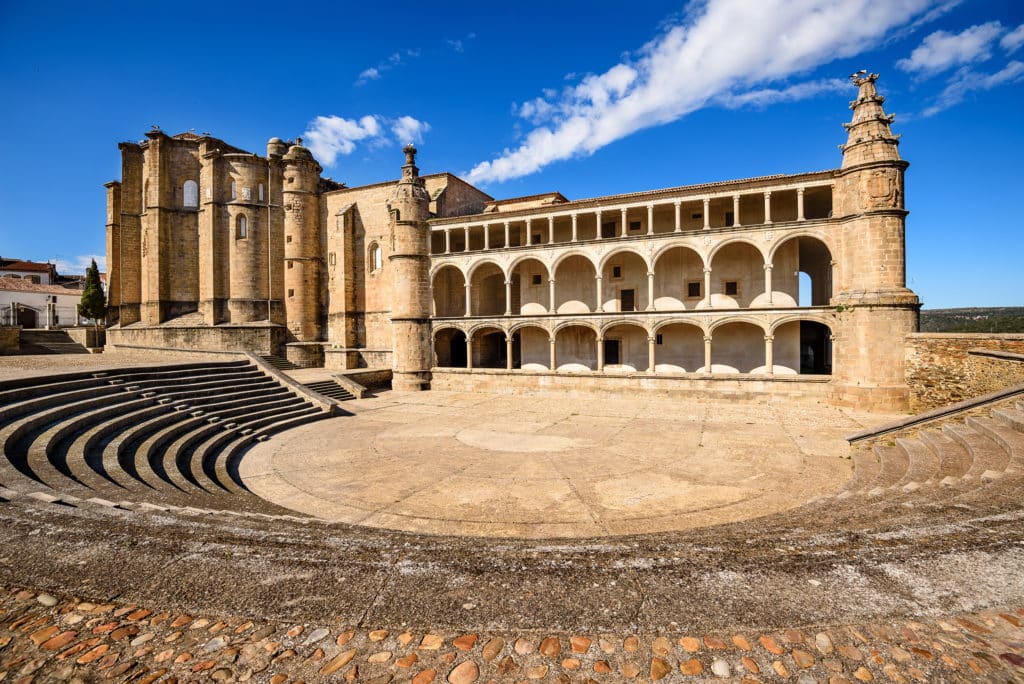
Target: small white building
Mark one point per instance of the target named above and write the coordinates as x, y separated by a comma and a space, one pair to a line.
34, 305
34, 271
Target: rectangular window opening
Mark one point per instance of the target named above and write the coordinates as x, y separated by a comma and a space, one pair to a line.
535, 279
696, 217
536, 238
693, 289
658, 339
608, 229
729, 218
732, 288
634, 226
616, 272
611, 353
291, 293
290, 264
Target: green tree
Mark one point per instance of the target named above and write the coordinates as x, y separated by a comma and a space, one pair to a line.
94, 302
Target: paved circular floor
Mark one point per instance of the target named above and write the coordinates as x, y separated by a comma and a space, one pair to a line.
536, 467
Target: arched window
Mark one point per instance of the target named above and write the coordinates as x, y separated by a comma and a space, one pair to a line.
376, 260
261, 191
190, 194
241, 227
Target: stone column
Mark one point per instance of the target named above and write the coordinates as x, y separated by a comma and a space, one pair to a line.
707, 213
469, 353
551, 344
625, 226
551, 230
650, 291
651, 343
469, 300
650, 219
597, 214
707, 354
769, 358
736, 211
507, 236
508, 297
799, 204
447, 241
508, 352
767, 206
466, 248
487, 236
600, 304
551, 295
529, 232
679, 223
575, 236
768, 283
600, 354
707, 287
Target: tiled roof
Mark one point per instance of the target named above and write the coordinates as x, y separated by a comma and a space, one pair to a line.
19, 265
22, 285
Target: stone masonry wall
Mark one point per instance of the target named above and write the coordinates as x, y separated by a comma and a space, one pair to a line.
10, 340
940, 371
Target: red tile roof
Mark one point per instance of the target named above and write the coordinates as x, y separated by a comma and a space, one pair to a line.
22, 285
19, 265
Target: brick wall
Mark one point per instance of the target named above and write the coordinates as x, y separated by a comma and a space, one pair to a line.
941, 371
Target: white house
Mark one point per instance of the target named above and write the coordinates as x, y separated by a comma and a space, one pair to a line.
34, 305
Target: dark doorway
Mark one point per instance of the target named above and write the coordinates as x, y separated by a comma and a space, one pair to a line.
612, 356
815, 349
27, 317
627, 300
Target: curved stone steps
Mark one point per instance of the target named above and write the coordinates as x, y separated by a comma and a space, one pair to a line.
171, 372
922, 464
954, 459
16, 407
1006, 435
193, 386
149, 456
988, 458
865, 468
1011, 416
226, 466
894, 466
119, 455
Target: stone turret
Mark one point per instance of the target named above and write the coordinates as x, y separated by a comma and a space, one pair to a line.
875, 308
302, 252
409, 259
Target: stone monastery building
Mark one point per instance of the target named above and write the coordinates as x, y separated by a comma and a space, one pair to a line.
789, 284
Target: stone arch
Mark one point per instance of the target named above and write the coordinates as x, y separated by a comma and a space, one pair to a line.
625, 345
241, 227
571, 253
624, 321
802, 345
679, 346
449, 347
677, 244
529, 297
618, 250
624, 281
807, 253
575, 347
531, 346
374, 257
733, 241
476, 264
487, 289
737, 319
487, 344
737, 275
737, 346
678, 277
448, 291
576, 292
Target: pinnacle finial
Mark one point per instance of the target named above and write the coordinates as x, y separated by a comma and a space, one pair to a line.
410, 154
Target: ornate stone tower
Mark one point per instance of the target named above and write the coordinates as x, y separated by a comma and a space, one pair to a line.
302, 254
875, 308
409, 259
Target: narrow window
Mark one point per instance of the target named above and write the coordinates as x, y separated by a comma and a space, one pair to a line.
616, 272
234, 190
696, 217
634, 226
241, 227
535, 279
375, 256
728, 218
190, 194
261, 191
611, 352
732, 288
290, 264
291, 293
332, 259
693, 289
288, 239
658, 339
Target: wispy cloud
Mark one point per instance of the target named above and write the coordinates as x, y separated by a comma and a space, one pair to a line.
719, 52
459, 44
966, 81
1012, 41
942, 50
76, 265
393, 60
769, 96
330, 136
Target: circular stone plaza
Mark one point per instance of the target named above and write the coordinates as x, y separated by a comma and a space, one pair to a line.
189, 517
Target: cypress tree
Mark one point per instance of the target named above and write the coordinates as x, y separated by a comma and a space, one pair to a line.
94, 302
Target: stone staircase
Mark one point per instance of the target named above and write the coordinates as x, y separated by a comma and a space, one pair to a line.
278, 362
330, 388
49, 342
168, 435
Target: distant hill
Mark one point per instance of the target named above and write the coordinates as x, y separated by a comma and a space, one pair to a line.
999, 319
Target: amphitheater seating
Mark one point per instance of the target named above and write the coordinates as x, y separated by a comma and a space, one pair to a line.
168, 435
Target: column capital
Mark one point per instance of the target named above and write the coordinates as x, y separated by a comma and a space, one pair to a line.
707, 271
769, 338
677, 203
506, 224
508, 282
467, 286
650, 274
736, 197
652, 338
650, 205
799, 191
598, 277
707, 338
767, 267
767, 193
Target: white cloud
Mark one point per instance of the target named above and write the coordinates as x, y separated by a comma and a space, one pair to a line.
77, 265
942, 50
371, 74
1012, 41
767, 96
966, 81
393, 60
409, 130
723, 50
330, 136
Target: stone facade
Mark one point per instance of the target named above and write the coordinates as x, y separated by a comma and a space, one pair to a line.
941, 368
769, 277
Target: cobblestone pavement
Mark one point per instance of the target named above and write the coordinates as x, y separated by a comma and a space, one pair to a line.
46, 637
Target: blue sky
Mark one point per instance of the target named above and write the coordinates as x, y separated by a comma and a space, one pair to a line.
584, 98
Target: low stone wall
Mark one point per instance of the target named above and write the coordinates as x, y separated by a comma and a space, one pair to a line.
941, 370
88, 337
263, 339
10, 340
349, 358
527, 383
370, 378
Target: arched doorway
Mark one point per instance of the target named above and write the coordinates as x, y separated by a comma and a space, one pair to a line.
802, 273
576, 348
679, 348
450, 348
737, 276
449, 291
28, 317
625, 348
803, 347
487, 288
575, 285
678, 279
489, 350
737, 348
530, 288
